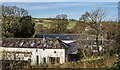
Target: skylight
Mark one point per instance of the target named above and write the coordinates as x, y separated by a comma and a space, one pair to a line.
21, 44
33, 44
44, 45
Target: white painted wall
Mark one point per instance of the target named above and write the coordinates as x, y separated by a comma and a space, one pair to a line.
41, 53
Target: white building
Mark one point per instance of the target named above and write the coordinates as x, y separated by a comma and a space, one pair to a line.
39, 51
44, 51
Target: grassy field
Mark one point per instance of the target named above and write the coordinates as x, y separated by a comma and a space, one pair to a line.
46, 22
71, 24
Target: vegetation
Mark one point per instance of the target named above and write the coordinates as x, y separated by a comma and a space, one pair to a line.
94, 19
59, 26
115, 65
16, 22
26, 28
15, 60
97, 62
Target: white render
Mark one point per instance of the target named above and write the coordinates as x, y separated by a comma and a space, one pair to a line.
42, 53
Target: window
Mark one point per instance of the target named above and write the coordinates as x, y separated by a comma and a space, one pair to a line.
44, 59
54, 60
37, 57
21, 44
54, 51
36, 50
44, 45
57, 59
32, 45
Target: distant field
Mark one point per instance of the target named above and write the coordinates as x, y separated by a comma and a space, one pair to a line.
46, 22
71, 24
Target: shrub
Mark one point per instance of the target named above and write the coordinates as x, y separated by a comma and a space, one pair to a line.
115, 65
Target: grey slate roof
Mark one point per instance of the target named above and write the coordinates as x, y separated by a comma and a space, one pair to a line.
33, 43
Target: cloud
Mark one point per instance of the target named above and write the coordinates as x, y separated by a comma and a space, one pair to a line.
59, 0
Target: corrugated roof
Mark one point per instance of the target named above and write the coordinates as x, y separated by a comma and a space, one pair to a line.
58, 36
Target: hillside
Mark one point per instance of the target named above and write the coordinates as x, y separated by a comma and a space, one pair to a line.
46, 22
42, 26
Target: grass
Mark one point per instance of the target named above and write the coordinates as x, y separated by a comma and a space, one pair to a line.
98, 62
46, 23
71, 24
92, 59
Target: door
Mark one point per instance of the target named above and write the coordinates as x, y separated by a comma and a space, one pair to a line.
37, 61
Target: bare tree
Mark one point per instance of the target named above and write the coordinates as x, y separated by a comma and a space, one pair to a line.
15, 59
59, 26
94, 19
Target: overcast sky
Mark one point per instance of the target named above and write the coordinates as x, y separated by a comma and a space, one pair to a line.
59, 0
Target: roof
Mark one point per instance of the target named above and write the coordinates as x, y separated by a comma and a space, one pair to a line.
89, 42
59, 36
85, 44
33, 43
78, 44
64, 44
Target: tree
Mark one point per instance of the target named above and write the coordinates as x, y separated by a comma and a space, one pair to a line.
112, 28
62, 16
79, 28
12, 18
39, 29
26, 28
94, 19
60, 24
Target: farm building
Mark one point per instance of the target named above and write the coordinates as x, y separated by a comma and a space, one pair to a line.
38, 51
45, 49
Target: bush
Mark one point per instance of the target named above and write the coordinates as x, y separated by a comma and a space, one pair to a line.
115, 65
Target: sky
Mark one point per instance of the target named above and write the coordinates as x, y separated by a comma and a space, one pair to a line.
59, 0
72, 9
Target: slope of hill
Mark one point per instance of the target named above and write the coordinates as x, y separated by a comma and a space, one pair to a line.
46, 22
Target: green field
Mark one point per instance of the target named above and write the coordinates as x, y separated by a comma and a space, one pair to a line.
46, 22
71, 24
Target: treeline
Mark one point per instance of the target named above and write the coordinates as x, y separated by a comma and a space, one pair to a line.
17, 23
110, 27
